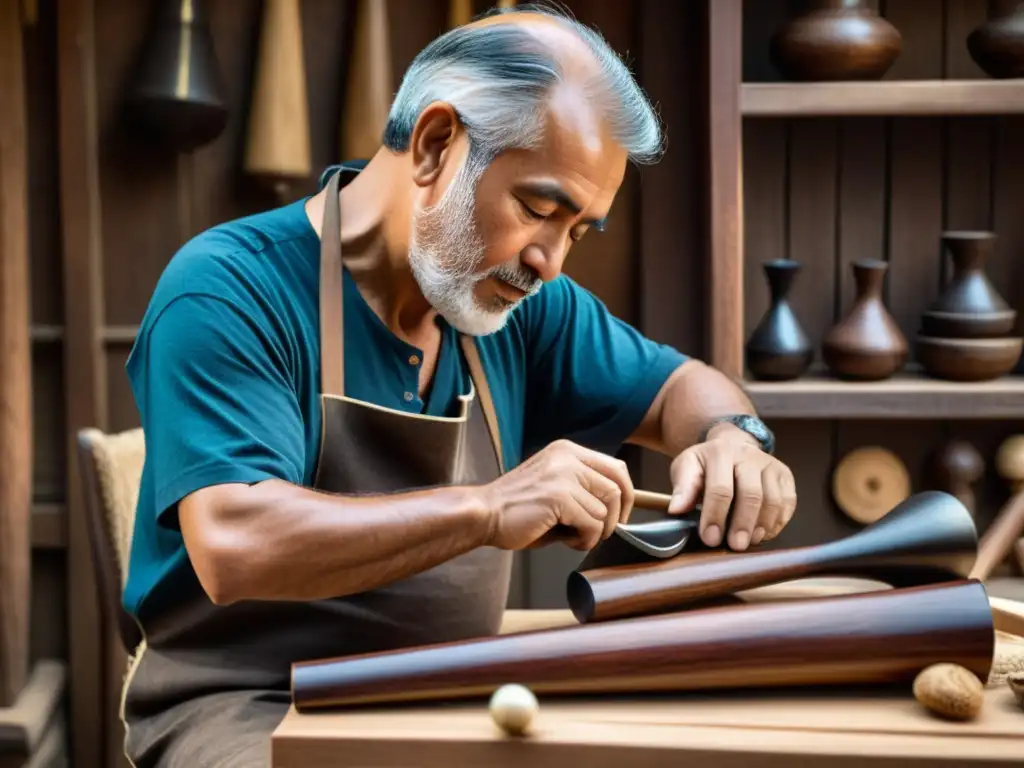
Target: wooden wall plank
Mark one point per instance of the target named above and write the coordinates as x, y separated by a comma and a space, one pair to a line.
862, 202
15, 366
813, 185
806, 447
765, 204
725, 158
915, 220
605, 263
141, 210
81, 220
1007, 267
671, 238
962, 17
920, 23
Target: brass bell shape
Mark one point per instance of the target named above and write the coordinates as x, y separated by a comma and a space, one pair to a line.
177, 95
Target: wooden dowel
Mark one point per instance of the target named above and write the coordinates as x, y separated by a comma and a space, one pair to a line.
1000, 537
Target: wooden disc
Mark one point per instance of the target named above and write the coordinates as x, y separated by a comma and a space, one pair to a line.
869, 482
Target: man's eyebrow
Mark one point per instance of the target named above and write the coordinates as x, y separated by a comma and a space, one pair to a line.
553, 192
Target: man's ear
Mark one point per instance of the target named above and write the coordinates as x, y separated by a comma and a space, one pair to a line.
432, 142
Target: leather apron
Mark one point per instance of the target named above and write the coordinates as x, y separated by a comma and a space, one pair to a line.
209, 683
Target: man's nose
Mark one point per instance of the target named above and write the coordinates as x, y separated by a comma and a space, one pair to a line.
545, 259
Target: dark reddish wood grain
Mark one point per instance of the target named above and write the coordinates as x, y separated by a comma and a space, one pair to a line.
929, 537
883, 637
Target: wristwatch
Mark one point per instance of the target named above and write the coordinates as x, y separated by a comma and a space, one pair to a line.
752, 425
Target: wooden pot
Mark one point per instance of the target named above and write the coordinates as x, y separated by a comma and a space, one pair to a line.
867, 344
997, 46
835, 40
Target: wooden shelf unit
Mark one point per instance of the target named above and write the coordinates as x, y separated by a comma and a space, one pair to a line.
887, 98
904, 396
731, 101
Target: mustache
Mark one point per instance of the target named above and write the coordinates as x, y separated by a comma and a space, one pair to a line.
524, 278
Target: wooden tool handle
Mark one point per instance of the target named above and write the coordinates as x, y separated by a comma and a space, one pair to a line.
651, 500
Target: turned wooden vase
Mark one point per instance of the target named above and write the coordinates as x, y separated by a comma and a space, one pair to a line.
834, 40
969, 306
867, 344
778, 349
997, 46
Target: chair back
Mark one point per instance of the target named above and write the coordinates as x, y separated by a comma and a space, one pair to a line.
111, 473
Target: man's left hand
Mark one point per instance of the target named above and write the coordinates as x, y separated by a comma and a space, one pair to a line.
733, 472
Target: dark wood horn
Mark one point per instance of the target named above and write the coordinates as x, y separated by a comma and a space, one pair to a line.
929, 537
870, 638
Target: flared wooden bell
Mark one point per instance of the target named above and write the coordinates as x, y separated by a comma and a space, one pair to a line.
177, 95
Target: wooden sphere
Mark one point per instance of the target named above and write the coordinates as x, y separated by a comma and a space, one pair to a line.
513, 708
957, 462
868, 482
1010, 459
950, 691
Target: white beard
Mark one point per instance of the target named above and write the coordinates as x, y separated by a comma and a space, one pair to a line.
446, 250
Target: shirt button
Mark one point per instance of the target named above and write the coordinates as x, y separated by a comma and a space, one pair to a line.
408, 397
414, 360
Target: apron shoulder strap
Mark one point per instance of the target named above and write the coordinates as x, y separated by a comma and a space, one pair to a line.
476, 370
332, 335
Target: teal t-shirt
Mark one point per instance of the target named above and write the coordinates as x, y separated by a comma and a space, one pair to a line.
226, 376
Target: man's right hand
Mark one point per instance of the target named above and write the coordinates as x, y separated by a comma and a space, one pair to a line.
564, 484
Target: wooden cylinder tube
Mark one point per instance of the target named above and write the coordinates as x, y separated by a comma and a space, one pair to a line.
880, 637
930, 537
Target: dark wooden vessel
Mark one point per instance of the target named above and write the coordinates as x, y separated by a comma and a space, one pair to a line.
778, 349
997, 46
835, 40
880, 637
177, 94
930, 537
969, 306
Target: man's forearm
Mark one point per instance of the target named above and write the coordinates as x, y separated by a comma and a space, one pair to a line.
692, 397
278, 541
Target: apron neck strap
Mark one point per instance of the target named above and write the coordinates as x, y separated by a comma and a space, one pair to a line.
332, 333
476, 371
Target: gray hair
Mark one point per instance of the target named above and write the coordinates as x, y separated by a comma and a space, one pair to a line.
497, 78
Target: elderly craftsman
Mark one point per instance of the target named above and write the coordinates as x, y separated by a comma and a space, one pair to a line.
358, 406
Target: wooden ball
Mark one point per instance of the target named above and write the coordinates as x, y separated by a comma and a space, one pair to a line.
950, 691
1010, 459
513, 708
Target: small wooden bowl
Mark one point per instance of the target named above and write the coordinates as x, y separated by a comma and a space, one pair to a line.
968, 359
965, 325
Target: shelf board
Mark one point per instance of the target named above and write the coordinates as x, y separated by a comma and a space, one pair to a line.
884, 97
905, 396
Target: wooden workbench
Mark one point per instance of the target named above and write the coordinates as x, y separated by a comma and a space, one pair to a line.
753, 729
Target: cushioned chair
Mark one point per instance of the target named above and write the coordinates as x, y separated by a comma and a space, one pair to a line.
111, 468
111, 472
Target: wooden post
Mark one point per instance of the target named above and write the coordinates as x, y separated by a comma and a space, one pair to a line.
725, 155
84, 369
370, 82
15, 366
